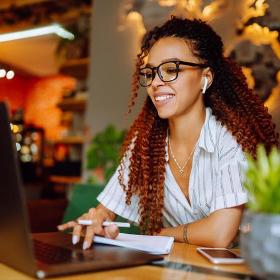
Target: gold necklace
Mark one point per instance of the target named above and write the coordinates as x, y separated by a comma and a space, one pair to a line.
181, 168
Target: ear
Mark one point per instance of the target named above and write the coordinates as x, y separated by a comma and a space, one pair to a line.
207, 79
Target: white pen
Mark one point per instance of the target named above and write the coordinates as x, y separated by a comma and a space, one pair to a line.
104, 224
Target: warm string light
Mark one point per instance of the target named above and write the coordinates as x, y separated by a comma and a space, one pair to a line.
273, 101
259, 35
136, 19
188, 8
249, 77
167, 3
215, 11
258, 10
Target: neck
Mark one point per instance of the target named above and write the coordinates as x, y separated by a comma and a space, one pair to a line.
180, 127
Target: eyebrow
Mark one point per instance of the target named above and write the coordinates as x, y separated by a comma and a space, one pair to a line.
164, 60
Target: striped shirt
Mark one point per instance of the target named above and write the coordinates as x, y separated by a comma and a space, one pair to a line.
215, 180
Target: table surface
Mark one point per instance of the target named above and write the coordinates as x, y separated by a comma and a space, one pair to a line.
182, 263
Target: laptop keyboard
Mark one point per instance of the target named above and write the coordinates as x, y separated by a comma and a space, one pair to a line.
51, 254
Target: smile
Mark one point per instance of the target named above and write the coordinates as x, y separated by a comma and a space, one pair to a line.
160, 98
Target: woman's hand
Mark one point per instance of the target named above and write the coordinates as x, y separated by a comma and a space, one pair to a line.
97, 216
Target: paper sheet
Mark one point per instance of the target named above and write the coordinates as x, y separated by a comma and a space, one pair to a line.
148, 243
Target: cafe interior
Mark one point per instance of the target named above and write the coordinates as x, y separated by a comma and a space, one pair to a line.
54, 79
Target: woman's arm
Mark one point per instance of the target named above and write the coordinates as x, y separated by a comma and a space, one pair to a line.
217, 230
106, 213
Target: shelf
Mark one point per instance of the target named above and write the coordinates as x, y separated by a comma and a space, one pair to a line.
72, 104
75, 62
64, 179
75, 67
70, 140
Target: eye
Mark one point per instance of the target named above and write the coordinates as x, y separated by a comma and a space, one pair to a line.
146, 73
171, 70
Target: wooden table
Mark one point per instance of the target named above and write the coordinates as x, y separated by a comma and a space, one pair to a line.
185, 263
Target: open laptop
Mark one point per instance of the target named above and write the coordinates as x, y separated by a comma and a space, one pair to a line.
45, 254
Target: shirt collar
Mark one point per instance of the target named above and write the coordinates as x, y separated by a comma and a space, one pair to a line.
207, 137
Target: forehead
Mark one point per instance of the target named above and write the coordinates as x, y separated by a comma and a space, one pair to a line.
169, 48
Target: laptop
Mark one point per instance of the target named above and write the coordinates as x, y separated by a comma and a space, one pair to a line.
45, 254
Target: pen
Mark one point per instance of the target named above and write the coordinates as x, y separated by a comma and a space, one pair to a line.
104, 224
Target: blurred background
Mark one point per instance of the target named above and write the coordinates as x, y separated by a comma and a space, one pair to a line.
67, 77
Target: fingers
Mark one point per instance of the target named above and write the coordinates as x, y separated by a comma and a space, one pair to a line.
88, 237
111, 231
76, 234
68, 225
95, 228
97, 217
76, 230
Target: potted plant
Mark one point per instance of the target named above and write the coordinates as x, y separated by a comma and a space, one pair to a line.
103, 153
103, 156
260, 228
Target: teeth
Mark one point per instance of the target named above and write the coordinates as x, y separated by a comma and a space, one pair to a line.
163, 97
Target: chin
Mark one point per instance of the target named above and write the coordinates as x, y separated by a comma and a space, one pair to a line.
164, 115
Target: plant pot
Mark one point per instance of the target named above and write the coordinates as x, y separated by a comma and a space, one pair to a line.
260, 243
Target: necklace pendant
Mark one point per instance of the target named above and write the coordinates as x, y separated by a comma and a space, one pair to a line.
181, 171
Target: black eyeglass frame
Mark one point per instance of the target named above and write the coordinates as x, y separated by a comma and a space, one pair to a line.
177, 63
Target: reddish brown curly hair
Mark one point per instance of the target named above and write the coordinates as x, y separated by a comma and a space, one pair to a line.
231, 101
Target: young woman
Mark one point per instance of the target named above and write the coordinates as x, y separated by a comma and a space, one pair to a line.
181, 171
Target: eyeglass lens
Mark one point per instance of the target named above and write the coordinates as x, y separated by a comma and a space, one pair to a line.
167, 72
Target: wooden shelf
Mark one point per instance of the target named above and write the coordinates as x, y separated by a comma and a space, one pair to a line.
70, 140
76, 62
72, 104
64, 179
76, 67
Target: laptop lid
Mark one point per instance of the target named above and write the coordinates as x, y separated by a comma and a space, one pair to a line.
16, 245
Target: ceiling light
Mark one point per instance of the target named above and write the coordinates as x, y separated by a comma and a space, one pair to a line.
40, 31
3, 73
10, 74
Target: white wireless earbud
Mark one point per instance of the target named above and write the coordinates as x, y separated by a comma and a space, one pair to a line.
205, 85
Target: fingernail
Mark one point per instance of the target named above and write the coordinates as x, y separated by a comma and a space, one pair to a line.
75, 239
85, 245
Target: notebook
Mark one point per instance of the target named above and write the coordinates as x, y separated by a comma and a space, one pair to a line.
46, 254
158, 245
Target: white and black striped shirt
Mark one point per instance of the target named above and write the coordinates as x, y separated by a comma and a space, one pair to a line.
215, 180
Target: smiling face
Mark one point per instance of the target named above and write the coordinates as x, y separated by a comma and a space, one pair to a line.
175, 98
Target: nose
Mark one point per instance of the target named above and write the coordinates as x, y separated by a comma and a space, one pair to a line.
157, 80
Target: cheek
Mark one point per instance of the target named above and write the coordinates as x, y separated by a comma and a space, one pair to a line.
190, 86
149, 91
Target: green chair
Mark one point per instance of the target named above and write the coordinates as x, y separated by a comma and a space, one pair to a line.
83, 197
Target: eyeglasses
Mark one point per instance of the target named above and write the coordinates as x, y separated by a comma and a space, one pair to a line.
167, 71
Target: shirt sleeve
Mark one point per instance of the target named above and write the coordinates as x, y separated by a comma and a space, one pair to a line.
229, 190
113, 198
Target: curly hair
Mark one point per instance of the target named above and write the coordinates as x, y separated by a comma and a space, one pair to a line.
231, 101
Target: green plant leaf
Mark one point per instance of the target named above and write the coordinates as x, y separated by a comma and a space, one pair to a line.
262, 180
104, 150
